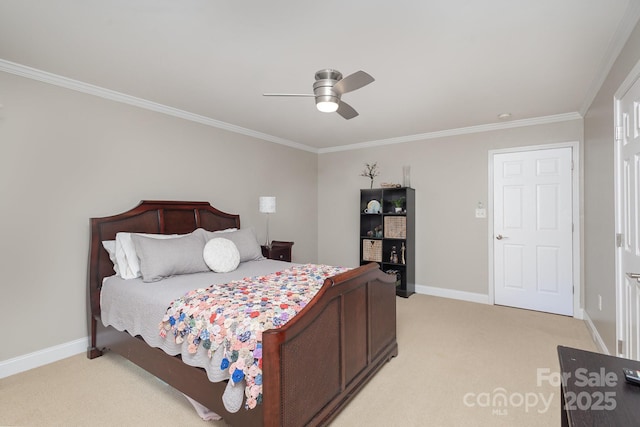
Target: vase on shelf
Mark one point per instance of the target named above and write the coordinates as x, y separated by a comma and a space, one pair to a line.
406, 176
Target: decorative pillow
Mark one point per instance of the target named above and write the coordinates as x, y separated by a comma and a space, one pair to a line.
110, 247
244, 239
221, 255
160, 258
126, 256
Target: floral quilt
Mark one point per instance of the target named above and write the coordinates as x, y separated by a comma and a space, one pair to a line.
232, 317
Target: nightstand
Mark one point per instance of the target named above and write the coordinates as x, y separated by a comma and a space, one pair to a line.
279, 250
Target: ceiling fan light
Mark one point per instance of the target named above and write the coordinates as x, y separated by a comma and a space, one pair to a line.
327, 106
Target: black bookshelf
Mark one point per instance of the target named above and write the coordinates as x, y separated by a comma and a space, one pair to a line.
387, 233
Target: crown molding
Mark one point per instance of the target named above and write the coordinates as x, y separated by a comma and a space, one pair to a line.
625, 27
455, 132
57, 80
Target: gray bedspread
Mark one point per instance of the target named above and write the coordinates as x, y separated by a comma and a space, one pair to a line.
138, 307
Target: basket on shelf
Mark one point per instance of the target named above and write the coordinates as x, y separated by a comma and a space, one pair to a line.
395, 227
372, 250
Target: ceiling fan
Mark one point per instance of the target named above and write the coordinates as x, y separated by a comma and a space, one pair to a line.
328, 89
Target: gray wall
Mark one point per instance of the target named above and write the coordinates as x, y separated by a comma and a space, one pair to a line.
450, 176
599, 224
66, 157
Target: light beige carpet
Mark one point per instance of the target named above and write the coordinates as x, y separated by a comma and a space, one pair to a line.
456, 359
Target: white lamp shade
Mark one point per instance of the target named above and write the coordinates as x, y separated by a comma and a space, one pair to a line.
267, 204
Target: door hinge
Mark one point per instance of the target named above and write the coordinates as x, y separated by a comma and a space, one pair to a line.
619, 130
619, 240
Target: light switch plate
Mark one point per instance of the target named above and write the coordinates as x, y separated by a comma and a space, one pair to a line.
481, 213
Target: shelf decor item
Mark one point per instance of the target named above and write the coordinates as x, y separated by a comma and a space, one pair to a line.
406, 176
395, 227
370, 171
372, 250
373, 207
394, 255
389, 185
397, 274
398, 204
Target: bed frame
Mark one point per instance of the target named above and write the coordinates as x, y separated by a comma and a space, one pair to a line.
312, 366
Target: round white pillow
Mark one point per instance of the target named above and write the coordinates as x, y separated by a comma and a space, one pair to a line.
221, 255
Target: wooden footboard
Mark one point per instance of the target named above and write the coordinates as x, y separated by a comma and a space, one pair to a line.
317, 362
312, 366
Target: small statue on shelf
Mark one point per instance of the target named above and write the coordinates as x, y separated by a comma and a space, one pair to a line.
402, 250
394, 255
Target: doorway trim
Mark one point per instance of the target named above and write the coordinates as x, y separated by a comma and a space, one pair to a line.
624, 87
576, 178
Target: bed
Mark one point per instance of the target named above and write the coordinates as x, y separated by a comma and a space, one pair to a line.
312, 365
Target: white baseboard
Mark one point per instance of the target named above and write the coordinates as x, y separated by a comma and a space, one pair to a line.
42, 357
579, 314
594, 334
474, 297
453, 294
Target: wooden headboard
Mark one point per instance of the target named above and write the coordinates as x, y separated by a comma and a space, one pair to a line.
150, 216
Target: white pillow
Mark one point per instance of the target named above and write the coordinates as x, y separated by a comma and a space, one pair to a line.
126, 256
110, 247
221, 255
226, 230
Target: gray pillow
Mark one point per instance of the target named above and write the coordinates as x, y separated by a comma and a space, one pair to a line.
169, 257
245, 240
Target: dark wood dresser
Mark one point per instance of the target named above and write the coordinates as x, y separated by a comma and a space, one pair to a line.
594, 391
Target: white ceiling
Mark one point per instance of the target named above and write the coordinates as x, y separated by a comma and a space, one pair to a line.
439, 65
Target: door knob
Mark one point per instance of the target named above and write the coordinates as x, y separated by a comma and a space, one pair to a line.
499, 237
634, 276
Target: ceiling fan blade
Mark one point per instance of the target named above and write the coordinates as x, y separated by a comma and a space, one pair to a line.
287, 94
352, 82
346, 110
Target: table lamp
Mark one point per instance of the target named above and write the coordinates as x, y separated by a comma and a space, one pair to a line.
267, 206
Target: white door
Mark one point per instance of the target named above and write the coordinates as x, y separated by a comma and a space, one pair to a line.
627, 206
533, 252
